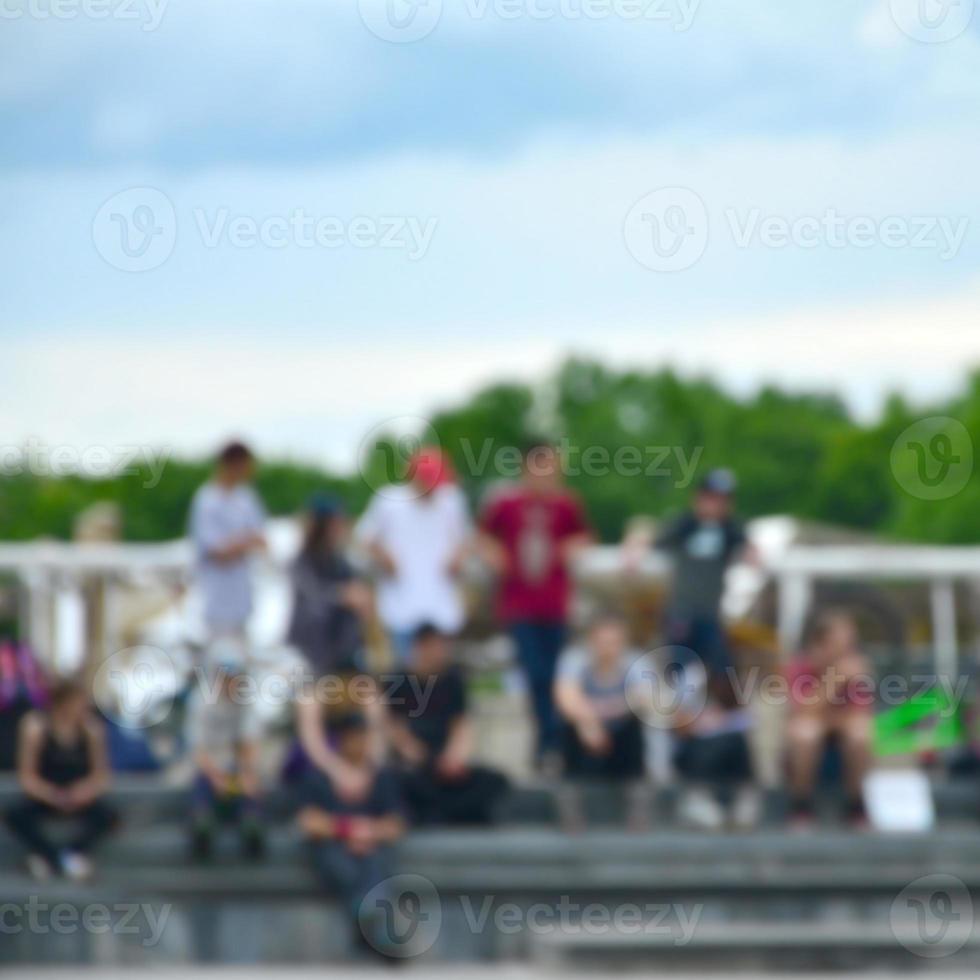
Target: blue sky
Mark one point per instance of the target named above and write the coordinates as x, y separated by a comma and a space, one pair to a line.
520, 133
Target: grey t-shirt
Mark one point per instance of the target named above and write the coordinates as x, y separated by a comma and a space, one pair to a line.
702, 552
221, 516
609, 691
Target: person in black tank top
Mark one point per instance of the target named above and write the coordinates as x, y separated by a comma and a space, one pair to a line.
64, 772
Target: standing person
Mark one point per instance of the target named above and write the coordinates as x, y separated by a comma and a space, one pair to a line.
226, 527
431, 735
831, 698
351, 840
223, 734
63, 770
703, 542
530, 534
418, 534
330, 603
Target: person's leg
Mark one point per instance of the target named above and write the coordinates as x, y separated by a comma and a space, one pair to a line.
338, 872
806, 735
854, 732
251, 827
95, 822
421, 796
203, 812
470, 800
526, 639
25, 822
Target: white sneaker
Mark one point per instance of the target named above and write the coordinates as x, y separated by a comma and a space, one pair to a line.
38, 867
77, 867
698, 808
747, 808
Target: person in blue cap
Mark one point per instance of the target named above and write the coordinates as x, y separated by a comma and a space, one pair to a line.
703, 542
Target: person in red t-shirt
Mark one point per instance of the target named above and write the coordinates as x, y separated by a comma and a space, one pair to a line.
529, 535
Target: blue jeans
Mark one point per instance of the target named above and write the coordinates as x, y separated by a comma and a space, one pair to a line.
538, 648
705, 636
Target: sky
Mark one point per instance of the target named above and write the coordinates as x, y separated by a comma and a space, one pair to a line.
292, 220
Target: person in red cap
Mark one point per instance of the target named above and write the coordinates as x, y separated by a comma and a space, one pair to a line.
417, 533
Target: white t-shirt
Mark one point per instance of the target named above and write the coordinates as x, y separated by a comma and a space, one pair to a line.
220, 516
422, 534
221, 727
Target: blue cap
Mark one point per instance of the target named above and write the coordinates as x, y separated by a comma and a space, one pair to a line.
325, 505
720, 481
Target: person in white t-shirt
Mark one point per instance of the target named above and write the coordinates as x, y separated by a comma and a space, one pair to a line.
418, 533
226, 527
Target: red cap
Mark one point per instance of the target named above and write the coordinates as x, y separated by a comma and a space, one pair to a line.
431, 468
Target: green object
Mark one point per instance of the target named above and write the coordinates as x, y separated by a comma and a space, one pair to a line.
927, 721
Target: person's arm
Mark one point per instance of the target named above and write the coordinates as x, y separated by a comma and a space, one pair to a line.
29, 739
369, 534
578, 711
454, 760
350, 783
87, 790
402, 741
577, 533
248, 767
212, 544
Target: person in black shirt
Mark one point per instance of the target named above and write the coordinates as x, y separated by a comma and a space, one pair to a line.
63, 770
703, 542
351, 839
432, 738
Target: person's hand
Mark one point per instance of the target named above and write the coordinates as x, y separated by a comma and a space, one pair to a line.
385, 562
451, 767
411, 749
357, 597
61, 799
594, 737
80, 795
362, 838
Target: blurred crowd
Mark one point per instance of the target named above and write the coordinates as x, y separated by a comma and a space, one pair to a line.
404, 753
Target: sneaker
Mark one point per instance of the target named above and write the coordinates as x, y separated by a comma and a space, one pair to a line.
39, 868
699, 809
747, 808
76, 867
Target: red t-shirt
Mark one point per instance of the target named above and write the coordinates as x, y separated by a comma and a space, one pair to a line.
532, 528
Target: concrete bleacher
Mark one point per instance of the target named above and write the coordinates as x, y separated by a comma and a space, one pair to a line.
767, 897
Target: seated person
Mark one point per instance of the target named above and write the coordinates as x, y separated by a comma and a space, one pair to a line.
351, 838
223, 733
63, 769
831, 697
602, 736
711, 751
597, 694
431, 737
